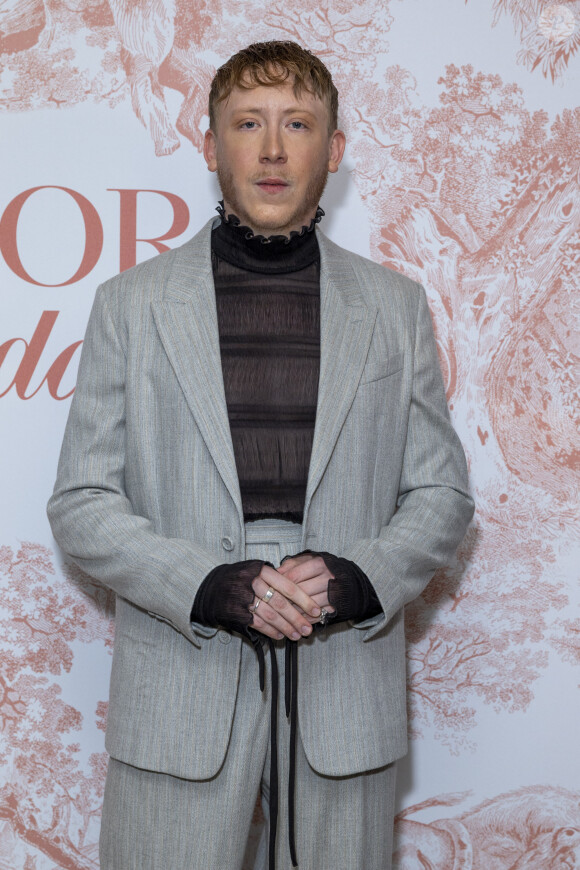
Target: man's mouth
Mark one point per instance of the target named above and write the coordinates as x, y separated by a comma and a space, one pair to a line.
272, 185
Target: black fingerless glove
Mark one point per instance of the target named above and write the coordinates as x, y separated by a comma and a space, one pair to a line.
225, 596
350, 591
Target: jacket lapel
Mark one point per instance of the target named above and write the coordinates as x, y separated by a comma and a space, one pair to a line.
346, 322
186, 319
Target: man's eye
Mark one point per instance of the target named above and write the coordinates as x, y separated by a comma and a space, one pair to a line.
297, 125
249, 125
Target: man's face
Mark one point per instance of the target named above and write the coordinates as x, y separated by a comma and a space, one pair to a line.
272, 152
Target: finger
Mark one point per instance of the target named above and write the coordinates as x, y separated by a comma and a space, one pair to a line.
329, 610
291, 562
313, 566
324, 604
291, 623
285, 616
313, 621
315, 586
270, 578
265, 628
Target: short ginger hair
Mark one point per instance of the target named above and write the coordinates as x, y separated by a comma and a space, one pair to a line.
270, 64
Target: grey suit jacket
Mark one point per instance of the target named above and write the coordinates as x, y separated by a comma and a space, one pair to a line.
147, 501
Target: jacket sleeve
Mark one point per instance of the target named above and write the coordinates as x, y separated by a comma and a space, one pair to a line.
433, 505
91, 517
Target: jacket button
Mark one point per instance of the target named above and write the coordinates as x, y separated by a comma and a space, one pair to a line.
224, 637
227, 543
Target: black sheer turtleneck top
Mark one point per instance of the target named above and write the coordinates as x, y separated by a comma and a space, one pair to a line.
268, 309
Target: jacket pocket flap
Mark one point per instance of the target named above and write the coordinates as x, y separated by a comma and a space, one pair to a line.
382, 369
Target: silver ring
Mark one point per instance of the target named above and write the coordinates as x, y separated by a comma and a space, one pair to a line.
255, 606
324, 616
269, 594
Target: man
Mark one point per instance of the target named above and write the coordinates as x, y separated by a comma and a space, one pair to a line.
259, 393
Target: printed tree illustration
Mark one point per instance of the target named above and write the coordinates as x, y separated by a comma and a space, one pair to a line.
528, 828
58, 55
478, 200
566, 641
490, 223
476, 635
549, 32
49, 802
341, 33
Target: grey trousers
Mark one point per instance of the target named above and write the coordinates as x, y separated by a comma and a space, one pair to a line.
154, 821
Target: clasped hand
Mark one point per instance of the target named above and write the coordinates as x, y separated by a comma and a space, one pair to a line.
300, 588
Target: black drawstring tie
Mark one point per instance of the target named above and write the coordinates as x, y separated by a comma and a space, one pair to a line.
291, 700
291, 707
273, 758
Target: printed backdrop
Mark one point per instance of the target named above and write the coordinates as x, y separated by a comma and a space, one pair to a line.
462, 171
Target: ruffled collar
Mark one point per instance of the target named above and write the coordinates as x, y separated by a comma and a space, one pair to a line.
240, 246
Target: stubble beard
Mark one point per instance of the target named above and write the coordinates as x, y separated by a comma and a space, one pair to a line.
300, 217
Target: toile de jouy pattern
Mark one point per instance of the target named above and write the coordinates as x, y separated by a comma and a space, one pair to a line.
468, 177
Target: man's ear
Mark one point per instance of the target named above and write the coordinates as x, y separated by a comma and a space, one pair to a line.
209, 150
336, 150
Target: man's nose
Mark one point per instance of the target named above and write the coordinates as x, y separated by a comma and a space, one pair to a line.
273, 149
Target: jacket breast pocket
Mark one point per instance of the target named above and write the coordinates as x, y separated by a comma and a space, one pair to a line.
385, 368
378, 393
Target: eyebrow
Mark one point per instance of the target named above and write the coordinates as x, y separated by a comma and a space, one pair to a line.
257, 110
